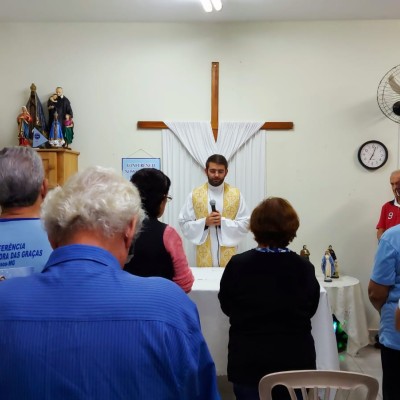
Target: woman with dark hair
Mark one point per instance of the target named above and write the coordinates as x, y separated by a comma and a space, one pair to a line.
158, 249
270, 294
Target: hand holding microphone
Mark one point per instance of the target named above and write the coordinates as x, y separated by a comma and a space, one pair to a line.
213, 219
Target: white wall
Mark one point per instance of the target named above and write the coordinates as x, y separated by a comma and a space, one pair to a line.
322, 76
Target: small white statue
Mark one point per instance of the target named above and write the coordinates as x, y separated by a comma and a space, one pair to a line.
328, 266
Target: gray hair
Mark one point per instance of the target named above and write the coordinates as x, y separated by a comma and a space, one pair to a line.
21, 176
96, 199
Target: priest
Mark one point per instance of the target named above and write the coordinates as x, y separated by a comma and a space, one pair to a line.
215, 216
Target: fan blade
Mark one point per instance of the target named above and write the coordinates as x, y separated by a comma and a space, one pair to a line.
393, 84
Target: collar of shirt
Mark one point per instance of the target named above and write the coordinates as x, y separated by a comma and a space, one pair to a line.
396, 203
18, 219
71, 253
273, 249
216, 189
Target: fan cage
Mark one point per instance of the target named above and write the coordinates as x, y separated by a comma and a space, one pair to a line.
386, 96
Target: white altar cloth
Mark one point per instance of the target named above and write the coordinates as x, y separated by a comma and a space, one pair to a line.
215, 324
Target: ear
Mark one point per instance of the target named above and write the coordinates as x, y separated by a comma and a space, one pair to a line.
205, 171
53, 243
44, 188
226, 172
130, 231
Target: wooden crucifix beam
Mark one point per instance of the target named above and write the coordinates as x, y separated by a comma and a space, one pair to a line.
214, 110
214, 98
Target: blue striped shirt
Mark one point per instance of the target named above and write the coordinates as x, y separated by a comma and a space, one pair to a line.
85, 329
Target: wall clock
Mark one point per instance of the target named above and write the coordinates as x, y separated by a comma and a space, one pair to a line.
373, 154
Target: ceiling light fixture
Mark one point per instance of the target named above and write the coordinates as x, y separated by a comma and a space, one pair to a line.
209, 4
217, 4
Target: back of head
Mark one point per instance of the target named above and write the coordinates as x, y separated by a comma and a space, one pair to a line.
97, 199
217, 159
274, 222
21, 176
153, 186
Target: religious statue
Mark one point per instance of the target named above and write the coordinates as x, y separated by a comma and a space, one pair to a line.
61, 104
52, 108
68, 130
56, 138
304, 252
328, 266
35, 109
24, 119
333, 255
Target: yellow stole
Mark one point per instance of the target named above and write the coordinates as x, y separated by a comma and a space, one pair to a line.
230, 210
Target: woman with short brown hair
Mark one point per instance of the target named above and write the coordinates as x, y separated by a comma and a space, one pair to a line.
270, 294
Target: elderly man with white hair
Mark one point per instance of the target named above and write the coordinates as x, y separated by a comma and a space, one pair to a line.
86, 329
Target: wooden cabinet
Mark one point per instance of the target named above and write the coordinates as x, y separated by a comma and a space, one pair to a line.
59, 164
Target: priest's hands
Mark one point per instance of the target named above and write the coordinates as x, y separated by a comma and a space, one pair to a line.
213, 219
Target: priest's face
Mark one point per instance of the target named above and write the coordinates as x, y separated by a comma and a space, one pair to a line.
216, 174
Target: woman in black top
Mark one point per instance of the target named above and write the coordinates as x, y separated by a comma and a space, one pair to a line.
158, 250
270, 295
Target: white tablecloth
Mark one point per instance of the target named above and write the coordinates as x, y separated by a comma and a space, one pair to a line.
347, 304
215, 324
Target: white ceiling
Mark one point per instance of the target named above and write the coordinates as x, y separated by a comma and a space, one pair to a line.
192, 11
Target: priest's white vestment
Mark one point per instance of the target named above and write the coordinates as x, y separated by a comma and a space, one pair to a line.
229, 234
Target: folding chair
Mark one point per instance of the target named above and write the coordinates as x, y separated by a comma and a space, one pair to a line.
326, 385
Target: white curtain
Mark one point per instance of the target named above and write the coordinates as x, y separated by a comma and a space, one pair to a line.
185, 149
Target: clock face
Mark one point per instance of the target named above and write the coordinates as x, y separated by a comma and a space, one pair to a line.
372, 154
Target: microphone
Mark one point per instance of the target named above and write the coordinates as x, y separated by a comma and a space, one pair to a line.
212, 204
213, 209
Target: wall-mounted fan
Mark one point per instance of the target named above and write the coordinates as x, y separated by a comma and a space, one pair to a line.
388, 94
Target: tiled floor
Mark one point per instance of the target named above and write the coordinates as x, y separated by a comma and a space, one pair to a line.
367, 361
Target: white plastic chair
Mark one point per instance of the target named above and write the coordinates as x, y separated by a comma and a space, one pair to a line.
326, 385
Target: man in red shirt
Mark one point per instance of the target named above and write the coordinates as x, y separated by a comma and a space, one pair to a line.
390, 213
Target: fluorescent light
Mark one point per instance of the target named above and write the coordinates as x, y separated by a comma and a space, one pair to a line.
217, 4
206, 5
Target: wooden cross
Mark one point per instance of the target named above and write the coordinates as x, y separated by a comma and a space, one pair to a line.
214, 110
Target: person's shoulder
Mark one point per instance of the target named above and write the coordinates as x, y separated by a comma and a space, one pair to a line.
169, 304
241, 258
170, 231
301, 260
392, 233
230, 187
23, 225
389, 203
202, 186
159, 292
16, 291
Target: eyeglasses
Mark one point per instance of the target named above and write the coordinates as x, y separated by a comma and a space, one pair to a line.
169, 198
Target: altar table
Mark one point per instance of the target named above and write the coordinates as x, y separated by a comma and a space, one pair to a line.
215, 324
346, 301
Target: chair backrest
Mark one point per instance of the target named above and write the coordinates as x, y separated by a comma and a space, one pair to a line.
325, 385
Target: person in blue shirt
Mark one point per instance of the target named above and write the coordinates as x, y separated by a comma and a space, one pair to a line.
24, 247
384, 294
86, 329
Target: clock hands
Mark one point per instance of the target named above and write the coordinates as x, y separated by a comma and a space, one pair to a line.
373, 155
374, 147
